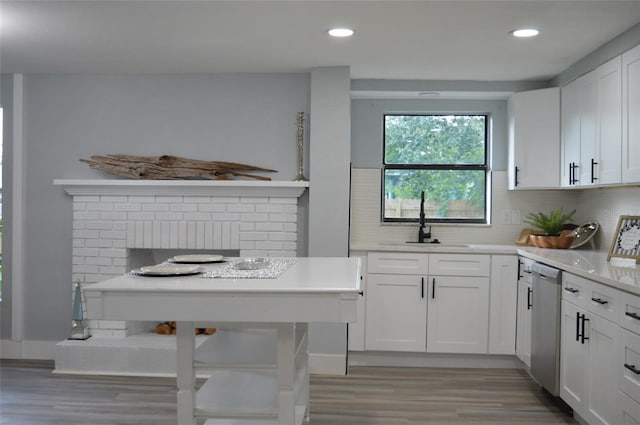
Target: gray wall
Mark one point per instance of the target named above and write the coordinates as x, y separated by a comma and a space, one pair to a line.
243, 118
366, 125
6, 100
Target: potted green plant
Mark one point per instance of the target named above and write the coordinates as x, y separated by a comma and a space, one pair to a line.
550, 224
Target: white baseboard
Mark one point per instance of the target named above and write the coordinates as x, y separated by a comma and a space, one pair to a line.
327, 364
27, 350
401, 359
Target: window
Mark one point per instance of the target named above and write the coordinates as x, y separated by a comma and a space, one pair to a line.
443, 155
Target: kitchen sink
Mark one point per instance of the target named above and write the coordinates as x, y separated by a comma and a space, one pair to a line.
424, 244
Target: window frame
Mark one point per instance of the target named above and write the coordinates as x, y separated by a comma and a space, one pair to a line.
454, 167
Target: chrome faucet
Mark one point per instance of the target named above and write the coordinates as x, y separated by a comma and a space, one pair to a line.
422, 235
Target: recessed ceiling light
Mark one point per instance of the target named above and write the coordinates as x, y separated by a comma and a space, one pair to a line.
340, 32
429, 93
525, 32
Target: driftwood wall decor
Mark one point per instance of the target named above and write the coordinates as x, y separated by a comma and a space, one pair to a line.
168, 167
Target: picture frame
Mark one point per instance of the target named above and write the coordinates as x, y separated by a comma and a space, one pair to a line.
626, 239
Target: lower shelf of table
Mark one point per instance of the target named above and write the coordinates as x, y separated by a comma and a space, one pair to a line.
299, 419
247, 395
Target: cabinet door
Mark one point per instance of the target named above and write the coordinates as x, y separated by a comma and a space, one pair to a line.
534, 136
356, 330
588, 89
630, 114
629, 410
503, 304
573, 359
588, 380
523, 332
609, 125
570, 151
458, 314
628, 364
396, 312
602, 405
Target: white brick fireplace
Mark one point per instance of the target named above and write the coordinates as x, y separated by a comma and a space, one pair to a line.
119, 224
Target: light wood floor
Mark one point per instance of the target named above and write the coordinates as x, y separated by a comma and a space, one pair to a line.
31, 395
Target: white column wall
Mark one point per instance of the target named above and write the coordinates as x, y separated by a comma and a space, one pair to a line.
329, 168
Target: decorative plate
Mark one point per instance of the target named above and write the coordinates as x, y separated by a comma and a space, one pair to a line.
167, 270
583, 234
196, 259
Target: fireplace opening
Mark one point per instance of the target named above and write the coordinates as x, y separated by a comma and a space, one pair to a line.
140, 257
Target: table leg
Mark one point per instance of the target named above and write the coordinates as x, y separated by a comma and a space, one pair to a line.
286, 373
304, 364
186, 378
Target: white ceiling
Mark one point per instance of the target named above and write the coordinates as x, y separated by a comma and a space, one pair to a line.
419, 40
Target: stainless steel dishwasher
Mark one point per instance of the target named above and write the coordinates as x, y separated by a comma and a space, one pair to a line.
545, 327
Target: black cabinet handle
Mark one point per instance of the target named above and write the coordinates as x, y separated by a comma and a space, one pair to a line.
516, 177
600, 301
361, 293
433, 291
577, 326
572, 290
632, 368
633, 315
519, 272
422, 287
593, 165
529, 304
572, 173
582, 337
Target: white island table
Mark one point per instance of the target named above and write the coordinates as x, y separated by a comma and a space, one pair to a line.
253, 380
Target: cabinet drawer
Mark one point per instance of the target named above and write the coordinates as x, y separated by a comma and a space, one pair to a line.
459, 265
602, 300
629, 409
629, 311
628, 366
397, 263
575, 289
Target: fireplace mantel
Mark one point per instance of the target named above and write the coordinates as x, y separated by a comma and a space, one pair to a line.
278, 188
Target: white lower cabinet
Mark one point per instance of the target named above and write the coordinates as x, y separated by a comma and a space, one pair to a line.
523, 320
458, 306
355, 331
396, 312
523, 331
503, 294
457, 315
589, 342
573, 361
628, 364
629, 410
440, 303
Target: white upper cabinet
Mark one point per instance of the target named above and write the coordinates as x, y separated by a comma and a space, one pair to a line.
609, 125
534, 139
631, 116
570, 110
591, 108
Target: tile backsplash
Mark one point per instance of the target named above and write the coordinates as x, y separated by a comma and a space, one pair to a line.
603, 205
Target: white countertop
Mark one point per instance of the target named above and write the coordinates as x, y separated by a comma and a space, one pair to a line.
434, 248
311, 290
306, 275
588, 264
